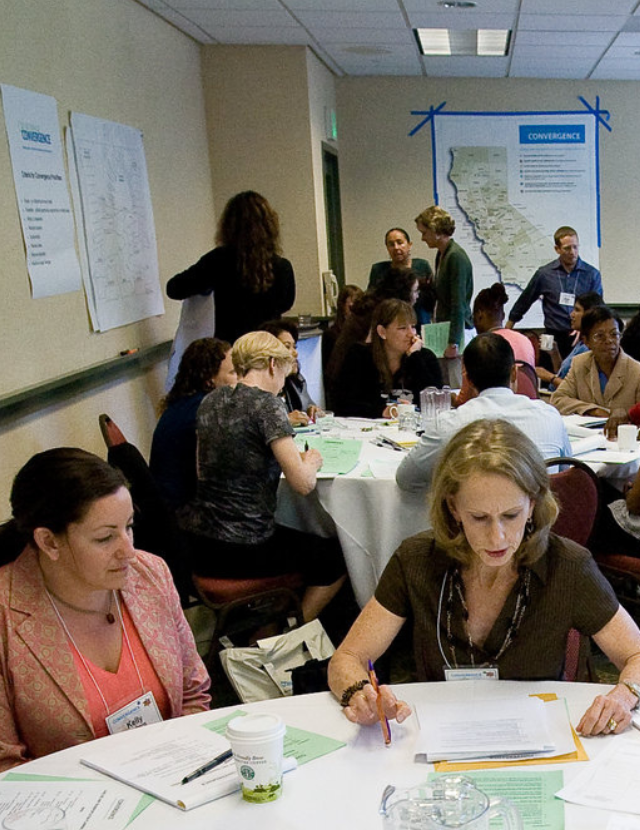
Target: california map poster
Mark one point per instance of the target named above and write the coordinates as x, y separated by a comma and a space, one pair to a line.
510, 180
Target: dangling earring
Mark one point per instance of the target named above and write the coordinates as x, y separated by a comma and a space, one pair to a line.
529, 527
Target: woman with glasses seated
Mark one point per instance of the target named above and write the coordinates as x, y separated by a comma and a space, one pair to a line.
604, 382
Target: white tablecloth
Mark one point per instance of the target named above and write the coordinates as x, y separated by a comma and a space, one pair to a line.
371, 516
342, 790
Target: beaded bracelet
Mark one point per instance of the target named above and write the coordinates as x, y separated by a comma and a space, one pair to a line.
350, 691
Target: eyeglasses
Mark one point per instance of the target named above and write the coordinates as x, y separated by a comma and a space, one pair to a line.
606, 336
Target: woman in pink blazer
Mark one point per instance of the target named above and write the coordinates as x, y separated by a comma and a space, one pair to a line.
91, 630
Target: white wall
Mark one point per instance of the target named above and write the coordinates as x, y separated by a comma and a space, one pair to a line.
265, 110
386, 176
117, 61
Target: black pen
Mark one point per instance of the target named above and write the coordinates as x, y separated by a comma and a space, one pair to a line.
306, 446
219, 759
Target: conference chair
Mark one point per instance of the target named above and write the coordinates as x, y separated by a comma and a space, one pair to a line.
247, 609
526, 380
622, 570
155, 527
577, 490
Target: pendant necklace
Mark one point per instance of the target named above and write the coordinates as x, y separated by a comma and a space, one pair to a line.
456, 591
108, 614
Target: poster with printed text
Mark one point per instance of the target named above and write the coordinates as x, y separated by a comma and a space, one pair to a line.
510, 180
40, 179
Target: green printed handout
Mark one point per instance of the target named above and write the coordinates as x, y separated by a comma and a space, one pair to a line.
302, 745
435, 336
531, 792
339, 455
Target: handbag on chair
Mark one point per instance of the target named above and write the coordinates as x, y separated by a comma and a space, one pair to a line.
263, 671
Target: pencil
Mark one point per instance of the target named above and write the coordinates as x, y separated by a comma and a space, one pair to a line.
384, 723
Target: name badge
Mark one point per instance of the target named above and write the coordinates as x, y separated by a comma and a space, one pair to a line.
139, 712
472, 673
567, 299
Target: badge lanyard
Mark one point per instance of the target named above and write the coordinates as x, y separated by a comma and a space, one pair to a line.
80, 654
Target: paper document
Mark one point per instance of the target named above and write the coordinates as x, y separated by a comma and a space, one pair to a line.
339, 455
612, 780
588, 421
508, 728
435, 336
405, 439
158, 761
87, 805
531, 792
610, 455
587, 443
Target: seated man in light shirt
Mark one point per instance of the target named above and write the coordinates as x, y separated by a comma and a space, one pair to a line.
491, 370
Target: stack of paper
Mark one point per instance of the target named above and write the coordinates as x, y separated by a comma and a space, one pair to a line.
512, 728
405, 439
158, 761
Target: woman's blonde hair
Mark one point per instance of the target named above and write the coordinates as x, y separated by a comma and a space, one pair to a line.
499, 448
438, 220
256, 349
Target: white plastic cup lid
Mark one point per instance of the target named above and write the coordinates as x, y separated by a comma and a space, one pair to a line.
255, 727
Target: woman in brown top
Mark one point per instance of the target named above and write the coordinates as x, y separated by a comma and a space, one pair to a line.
491, 586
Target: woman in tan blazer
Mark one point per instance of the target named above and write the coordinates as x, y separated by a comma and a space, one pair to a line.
604, 382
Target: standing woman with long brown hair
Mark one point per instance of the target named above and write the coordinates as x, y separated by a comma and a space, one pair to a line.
250, 281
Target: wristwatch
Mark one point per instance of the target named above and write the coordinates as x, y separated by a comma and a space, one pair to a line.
635, 689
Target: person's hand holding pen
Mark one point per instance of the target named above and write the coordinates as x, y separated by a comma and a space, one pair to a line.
363, 706
311, 457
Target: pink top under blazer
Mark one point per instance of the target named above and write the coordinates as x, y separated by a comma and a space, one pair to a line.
43, 707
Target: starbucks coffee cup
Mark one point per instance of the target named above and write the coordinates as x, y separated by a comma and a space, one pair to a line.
257, 744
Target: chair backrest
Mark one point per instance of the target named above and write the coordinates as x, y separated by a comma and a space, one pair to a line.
155, 526
527, 380
578, 492
534, 339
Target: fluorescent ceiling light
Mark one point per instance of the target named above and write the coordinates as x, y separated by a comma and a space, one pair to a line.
481, 42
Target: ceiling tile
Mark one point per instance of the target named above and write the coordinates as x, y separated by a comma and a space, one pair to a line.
530, 68
231, 5
564, 38
405, 64
209, 18
262, 35
551, 38
485, 6
587, 22
374, 20
384, 37
342, 5
623, 52
617, 70
466, 20
627, 39
551, 50
575, 7
466, 67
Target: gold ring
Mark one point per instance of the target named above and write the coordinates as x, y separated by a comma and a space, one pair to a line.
613, 724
